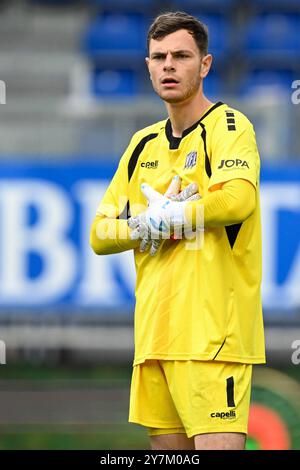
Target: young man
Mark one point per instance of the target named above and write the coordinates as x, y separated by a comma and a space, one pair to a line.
198, 316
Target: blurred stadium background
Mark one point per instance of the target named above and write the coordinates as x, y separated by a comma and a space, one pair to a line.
76, 90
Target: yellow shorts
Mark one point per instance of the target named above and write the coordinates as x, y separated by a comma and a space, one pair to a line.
191, 397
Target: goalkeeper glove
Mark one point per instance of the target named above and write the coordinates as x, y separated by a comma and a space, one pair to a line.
162, 217
188, 194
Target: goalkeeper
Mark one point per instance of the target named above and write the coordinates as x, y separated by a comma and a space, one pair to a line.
198, 315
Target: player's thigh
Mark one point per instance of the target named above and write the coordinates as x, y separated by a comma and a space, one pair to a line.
151, 404
220, 441
176, 441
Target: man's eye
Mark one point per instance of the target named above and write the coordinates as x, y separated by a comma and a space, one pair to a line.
158, 57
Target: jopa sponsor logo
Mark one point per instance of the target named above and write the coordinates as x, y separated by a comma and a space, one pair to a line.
233, 163
224, 415
150, 164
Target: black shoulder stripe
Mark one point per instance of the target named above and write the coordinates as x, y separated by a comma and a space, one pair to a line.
230, 120
207, 162
136, 153
232, 233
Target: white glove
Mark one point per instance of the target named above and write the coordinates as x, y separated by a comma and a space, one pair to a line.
162, 218
190, 193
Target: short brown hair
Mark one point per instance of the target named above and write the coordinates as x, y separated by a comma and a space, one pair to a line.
169, 22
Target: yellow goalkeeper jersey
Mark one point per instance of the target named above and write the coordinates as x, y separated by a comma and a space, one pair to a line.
195, 304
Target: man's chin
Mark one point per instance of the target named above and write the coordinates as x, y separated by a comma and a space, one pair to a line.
171, 98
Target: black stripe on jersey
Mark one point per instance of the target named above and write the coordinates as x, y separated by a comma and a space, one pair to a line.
137, 152
125, 214
203, 135
219, 349
219, 103
175, 141
230, 120
232, 233
230, 391
207, 162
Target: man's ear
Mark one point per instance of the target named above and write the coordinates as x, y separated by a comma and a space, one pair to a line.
205, 65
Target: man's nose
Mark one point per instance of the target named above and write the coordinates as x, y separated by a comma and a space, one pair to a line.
169, 64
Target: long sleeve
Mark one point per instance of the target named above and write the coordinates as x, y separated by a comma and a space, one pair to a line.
233, 203
109, 231
110, 236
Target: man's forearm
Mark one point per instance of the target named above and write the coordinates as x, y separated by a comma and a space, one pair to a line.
231, 204
110, 236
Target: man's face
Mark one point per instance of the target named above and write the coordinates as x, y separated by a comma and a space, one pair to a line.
176, 66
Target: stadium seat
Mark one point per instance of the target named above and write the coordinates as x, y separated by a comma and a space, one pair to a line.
279, 5
205, 5
218, 29
271, 36
113, 36
259, 80
114, 83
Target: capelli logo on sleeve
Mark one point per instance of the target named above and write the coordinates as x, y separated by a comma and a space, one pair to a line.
152, 165
233, 163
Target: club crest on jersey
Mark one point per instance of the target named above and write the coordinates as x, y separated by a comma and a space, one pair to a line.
191, 160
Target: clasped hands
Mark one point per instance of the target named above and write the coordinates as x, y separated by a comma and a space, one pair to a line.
165, 216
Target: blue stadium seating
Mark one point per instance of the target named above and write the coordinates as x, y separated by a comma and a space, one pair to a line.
278, 80
271, 36
279, 5
218, 31
114, 83
204, 5
116, 36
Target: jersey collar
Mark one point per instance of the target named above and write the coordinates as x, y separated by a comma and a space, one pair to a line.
174, 142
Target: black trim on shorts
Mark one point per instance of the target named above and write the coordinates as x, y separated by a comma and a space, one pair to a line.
230, 392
